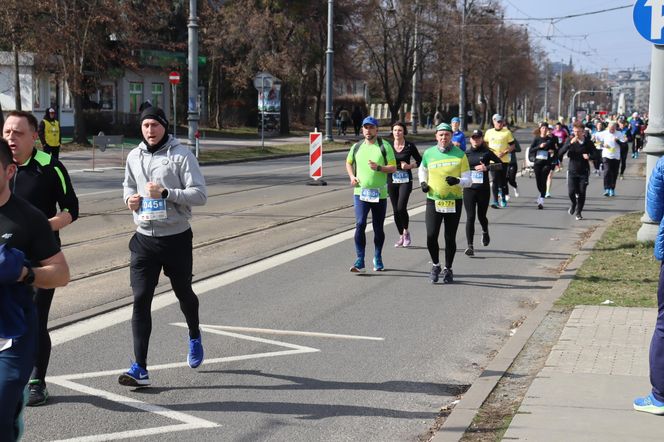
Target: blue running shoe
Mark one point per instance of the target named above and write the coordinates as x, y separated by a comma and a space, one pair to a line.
358, 267
378, 264
196, 354
649, 404
136, 376
612, 192
607, 192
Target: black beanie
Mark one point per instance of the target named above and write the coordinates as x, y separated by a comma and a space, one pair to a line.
154, 113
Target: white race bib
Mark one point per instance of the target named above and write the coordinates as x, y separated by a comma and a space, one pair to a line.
446, 206
370, 195
400, 176
542, 155
152, 208
477, 177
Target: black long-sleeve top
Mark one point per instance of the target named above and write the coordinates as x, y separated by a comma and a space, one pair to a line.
536, 148
577, 164
409, 151
481, 155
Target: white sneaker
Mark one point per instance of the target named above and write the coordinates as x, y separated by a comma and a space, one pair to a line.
540, 202
516, 193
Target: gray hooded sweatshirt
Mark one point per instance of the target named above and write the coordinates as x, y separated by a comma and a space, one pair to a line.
175, 168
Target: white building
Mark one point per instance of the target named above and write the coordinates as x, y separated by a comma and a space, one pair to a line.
118, 99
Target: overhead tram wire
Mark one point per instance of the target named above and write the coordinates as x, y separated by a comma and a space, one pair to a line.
565, 17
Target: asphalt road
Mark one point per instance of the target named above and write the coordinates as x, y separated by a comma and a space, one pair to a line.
297, 347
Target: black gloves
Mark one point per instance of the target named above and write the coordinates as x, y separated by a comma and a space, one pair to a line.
451, 180
425, 187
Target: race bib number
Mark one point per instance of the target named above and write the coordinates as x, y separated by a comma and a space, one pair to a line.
610, 150
638, 137
477, 177
542, 155
370, 195
152, 208
446, 206
400, 176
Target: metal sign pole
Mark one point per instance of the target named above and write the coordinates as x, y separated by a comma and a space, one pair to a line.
175, 118
263, 112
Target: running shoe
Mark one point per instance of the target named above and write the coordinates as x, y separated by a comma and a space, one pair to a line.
579, 217
435, 271
612, 192
358, 267
649, 404
540, 202
378, 264
495, 205
622, 177
37, 393
470, 251
406, 239
196, 354
607, 192
503, 203
485, 239
448, 277
571, 209
400, 242
136, 376
547, 195
516, 193
507, 198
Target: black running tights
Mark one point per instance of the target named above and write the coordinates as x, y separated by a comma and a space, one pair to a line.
433, 221
476, 201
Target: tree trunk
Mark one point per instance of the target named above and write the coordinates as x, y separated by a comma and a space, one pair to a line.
284, 126
17, 81
80, 135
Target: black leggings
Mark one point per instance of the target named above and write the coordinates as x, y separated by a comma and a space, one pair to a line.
476, 200
511, 177
499, 177
43, 301
576, 187
611, 167
624, 150
542, 170
399, 194
433, 220
148, 256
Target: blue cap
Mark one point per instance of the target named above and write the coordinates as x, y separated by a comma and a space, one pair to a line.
370, 120
455, 120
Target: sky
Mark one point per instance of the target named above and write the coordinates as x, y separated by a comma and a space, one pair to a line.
605, 40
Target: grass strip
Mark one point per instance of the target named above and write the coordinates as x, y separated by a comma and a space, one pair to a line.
619, 269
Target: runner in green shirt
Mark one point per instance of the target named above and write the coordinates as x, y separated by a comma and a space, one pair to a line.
367, 168
443, 173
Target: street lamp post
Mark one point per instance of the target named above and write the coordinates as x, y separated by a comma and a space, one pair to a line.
328, 72
192, 111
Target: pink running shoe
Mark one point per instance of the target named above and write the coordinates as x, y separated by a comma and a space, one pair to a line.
406, 239
400, 242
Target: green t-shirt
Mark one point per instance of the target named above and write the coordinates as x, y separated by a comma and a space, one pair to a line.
440, 165
371, 179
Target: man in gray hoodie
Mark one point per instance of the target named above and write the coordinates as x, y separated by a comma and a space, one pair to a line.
162, 182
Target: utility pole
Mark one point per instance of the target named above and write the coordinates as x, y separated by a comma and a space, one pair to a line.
462, 74
654, 148
546, 91
414, 112
560, 91
192, 72
329, 72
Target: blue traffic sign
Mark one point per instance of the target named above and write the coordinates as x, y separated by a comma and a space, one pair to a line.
648, 18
